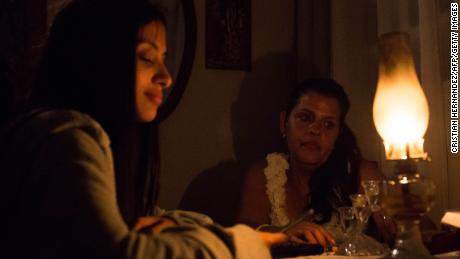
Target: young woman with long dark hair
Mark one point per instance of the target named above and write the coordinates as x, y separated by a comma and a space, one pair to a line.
79, 168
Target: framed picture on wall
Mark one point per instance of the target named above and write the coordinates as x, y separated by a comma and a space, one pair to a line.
228, 34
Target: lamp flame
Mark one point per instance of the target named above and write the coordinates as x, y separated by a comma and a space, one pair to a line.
400, 108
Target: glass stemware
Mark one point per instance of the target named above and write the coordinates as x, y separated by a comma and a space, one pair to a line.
372, 191
347, 219
353, 221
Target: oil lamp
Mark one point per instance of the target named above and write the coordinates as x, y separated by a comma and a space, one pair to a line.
401, 115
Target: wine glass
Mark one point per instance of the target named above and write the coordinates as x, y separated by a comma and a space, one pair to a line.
361, 208
347, 219
353, 220
372, 191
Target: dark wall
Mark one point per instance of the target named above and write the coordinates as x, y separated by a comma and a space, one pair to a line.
22, 34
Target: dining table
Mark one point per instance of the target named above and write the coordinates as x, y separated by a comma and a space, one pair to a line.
448, 255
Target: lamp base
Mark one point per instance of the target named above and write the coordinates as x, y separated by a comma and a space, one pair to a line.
408, 243
407, 197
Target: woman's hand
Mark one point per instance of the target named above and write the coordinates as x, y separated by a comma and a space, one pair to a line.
271, 239
153, 224
311, 233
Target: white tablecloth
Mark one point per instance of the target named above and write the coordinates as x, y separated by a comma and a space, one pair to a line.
450, 255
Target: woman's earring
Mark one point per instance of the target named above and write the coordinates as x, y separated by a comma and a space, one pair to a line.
283, 135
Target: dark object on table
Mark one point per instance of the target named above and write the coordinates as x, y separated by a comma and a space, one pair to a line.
295, 249
447, 240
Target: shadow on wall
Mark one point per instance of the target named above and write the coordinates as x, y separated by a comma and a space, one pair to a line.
255, 114
255, 131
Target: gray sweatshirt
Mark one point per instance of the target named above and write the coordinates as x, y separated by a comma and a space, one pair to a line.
58, 200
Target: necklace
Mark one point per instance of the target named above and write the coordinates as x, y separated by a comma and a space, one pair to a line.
275, 173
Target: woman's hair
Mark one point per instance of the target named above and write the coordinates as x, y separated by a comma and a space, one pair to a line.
324, 86
89, 65
337, 178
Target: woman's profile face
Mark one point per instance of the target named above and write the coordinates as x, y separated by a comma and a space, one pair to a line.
312, 129
152, 76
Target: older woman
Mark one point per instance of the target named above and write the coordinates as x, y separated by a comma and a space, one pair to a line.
321, 168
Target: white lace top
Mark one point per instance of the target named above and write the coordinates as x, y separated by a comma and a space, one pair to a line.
275, 173
276, 177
